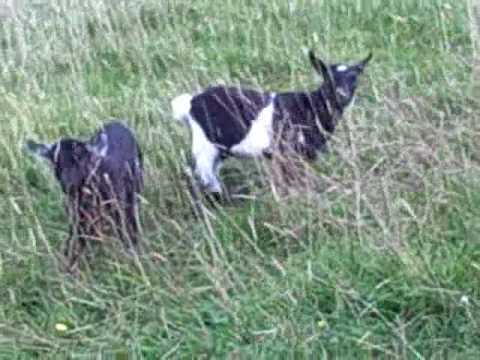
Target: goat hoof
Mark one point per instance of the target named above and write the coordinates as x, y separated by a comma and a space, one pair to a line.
217, 198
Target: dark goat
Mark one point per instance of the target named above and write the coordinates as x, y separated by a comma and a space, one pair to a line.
243, 122
101, 178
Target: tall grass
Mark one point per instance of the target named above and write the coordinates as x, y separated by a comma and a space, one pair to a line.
381, 260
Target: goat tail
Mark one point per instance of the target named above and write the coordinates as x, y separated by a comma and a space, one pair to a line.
181, 106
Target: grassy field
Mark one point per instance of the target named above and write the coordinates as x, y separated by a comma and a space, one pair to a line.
380, 260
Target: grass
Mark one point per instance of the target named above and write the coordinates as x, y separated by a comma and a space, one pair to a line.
382, 261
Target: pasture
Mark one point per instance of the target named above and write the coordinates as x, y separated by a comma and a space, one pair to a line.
380, 260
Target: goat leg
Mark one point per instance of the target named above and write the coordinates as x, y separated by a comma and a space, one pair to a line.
68, 242
123, 226
132, 226
76, 253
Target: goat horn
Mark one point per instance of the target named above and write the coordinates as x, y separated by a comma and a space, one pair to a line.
323, 69
367, 59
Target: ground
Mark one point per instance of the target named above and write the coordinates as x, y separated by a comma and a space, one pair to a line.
380, 259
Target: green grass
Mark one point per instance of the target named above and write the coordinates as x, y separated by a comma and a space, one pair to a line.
382, 260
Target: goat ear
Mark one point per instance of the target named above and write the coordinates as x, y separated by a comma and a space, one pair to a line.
361, 65
321, 68
317, 64
100, 146
42, 150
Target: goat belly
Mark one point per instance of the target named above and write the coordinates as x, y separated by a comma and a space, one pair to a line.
227, 116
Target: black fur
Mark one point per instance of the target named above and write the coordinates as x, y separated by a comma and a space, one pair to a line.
306, 114
101, 188
226, 113
302, 119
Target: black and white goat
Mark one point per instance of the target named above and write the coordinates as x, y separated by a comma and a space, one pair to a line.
101, 178
236, 121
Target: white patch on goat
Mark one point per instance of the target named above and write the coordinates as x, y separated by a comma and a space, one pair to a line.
56, 153
100, 149
205, 155
259, 137
301, 138
342, 92
342, 68
181, 106
352, 102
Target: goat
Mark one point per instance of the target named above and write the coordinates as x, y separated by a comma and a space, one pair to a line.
233, 121
101, 178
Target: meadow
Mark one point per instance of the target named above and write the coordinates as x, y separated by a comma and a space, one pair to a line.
380, 260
